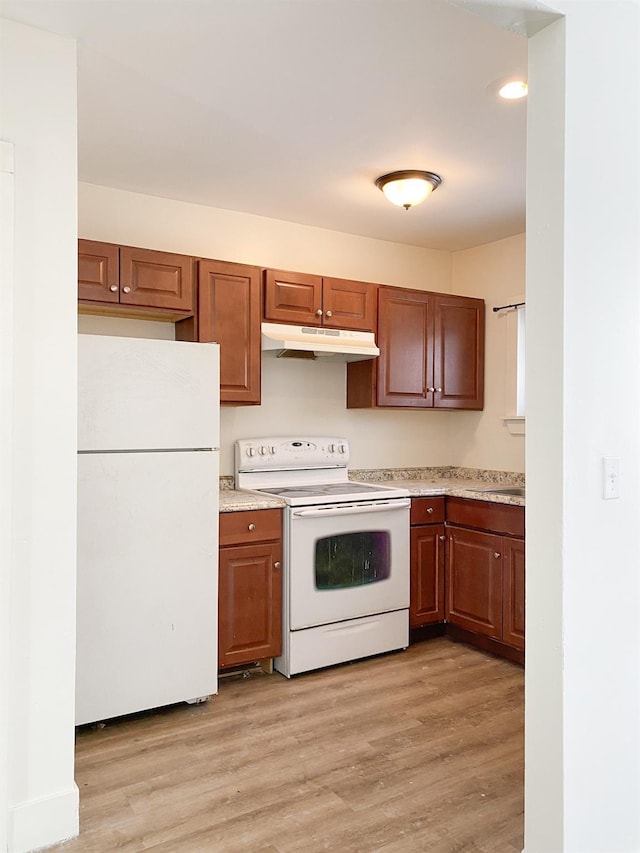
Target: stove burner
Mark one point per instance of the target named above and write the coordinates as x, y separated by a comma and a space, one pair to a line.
322, 490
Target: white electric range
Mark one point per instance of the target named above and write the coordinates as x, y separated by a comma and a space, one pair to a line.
345, 551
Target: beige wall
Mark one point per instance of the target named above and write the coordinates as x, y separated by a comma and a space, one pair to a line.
495, 272
310, 397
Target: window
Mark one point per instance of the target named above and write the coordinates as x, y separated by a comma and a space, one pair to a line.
515, 348
521, 331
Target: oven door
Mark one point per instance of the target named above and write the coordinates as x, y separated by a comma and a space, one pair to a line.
346, 561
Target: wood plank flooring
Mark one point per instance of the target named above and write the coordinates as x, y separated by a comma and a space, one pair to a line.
411, 752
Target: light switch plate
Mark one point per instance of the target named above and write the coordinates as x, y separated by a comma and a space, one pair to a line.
611, 477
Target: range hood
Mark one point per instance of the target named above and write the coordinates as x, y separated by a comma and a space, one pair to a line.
318, 342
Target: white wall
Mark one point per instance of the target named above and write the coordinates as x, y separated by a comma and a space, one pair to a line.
493, 272
38, 81
583, 383
297, 397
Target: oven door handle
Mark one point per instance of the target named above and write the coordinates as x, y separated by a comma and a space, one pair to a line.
350, 509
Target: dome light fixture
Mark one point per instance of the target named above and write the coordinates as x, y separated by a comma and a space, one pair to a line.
408, 187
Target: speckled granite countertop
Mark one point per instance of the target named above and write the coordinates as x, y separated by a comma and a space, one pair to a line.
447, 480
421, 482
474, 489
236, 501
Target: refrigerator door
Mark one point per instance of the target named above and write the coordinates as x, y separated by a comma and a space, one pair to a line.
136, 393
147, 581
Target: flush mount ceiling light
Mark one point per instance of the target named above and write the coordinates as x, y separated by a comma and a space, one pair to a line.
408, 187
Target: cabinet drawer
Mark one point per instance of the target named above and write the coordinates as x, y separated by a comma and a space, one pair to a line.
427, 511
239, 528
484, 515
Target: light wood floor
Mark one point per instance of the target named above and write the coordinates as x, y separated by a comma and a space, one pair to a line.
415, 752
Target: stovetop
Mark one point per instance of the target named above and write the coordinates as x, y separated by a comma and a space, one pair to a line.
332, 492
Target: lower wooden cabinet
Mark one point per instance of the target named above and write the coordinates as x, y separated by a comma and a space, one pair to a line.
485, 570
250, 587
513, 579
474, 581
427, 562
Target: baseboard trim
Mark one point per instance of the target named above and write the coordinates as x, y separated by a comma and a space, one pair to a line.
44, 822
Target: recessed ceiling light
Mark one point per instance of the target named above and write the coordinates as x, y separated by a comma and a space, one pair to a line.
514, 90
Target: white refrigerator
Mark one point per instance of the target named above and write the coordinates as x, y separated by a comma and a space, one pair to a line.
148, 468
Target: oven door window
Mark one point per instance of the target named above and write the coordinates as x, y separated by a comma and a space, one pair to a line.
352, 559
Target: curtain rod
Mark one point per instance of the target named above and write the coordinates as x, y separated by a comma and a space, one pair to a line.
503, 307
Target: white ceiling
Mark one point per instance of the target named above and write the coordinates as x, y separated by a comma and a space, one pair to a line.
291, 108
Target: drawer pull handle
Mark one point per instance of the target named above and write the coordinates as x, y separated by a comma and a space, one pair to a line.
277, 564
430, 509
496, 554
251, 526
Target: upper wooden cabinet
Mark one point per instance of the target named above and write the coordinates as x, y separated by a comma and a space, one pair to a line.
431, 353
134, 279
229, 313
311, 300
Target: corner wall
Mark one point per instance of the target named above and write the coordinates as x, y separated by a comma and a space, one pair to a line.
298, 397
306, 397
582, 702
38, 82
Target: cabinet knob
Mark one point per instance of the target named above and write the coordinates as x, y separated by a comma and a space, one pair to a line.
329, 314
319, 312
429, 509
431, 390
439, 390
113, 288
442, 538
126, 289
251, 526
497, 554
277, 564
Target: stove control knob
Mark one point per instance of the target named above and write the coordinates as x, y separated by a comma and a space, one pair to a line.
342, 448
250, 451
263, 450
272, 450
332, 448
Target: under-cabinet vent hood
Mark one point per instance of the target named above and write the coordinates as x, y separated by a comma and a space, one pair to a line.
318, 342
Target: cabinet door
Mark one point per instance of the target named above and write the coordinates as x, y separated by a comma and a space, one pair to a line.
156, 279
98, 271
405, 365
349, 304
427, 575
250, 603
229, 313
458, 352
474, 581
513, 582
292, 298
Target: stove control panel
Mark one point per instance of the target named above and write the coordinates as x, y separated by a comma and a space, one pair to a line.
290, 453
